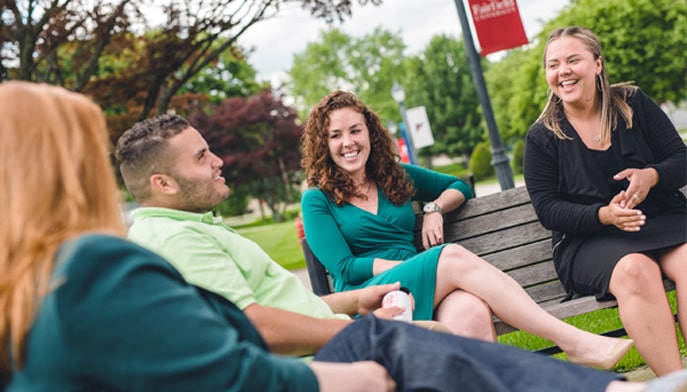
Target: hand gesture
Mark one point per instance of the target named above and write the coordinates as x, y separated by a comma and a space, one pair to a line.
641, 182
618, 214
432, 230
352, 377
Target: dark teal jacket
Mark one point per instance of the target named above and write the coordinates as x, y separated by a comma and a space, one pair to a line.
120, 318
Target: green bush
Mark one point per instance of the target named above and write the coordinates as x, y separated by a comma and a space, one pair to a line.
518, 155
235, 205
453, 169
480, 162
292, 214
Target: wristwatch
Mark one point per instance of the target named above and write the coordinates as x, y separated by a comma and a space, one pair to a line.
432, 207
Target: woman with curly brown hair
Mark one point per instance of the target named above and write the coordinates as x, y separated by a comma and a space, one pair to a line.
359, 223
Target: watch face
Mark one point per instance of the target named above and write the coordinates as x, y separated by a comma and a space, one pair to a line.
430, 207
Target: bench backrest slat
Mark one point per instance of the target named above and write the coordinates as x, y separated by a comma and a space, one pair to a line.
502, 240
547, 291
535, 252
534, 274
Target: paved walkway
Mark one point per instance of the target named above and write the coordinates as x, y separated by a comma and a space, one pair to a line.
643, 373
303, 275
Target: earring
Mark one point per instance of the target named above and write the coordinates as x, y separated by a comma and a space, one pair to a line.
598, 82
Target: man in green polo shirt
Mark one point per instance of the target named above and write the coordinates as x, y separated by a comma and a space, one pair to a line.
177, 180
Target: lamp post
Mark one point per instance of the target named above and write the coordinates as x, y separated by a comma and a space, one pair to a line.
398, 93
499, 157
392, 127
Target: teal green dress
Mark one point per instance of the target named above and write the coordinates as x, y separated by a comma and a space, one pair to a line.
347, 239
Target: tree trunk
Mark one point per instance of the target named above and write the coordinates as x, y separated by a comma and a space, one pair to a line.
285, 180
151, 97
164, 99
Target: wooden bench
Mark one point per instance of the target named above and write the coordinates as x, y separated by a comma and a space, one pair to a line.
503, 229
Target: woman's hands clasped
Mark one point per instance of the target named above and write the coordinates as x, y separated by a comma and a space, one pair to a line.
616, 213
621, 211
641, 181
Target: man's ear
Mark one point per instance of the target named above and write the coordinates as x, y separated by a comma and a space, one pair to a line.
164, 184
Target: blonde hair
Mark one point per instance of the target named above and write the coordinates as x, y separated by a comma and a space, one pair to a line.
57, 182
612, 97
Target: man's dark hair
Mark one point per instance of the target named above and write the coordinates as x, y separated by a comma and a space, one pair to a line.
142, 151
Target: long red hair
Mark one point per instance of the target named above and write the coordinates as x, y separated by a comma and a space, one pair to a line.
57, 182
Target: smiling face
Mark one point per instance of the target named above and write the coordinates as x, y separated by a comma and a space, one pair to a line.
196, 171
571, 70
349, 141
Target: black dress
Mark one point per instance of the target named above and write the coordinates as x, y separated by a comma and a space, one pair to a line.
568, 184
598, 254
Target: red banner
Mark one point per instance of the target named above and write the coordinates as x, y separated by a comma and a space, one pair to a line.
402, 150
498, 25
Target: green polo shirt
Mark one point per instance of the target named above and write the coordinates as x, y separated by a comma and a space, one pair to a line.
211, 255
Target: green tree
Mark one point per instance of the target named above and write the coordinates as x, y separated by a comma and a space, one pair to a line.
517, 89
32, 33
45, 40
440, 79
366, 66
480, 162
518, 155
235, 204
229, 76
644, 41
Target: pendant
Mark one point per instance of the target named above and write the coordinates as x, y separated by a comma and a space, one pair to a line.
597, 139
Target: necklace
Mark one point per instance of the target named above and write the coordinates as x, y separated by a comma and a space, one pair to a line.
367, 191
596, 139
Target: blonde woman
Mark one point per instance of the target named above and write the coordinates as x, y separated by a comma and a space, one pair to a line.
603, 166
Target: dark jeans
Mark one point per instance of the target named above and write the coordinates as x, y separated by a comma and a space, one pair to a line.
421, 360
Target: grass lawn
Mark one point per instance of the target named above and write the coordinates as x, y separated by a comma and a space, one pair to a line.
599, 321
279, 240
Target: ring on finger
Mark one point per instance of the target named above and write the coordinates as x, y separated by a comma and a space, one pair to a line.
635, 196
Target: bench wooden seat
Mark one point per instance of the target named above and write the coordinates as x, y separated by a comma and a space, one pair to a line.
503, 229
